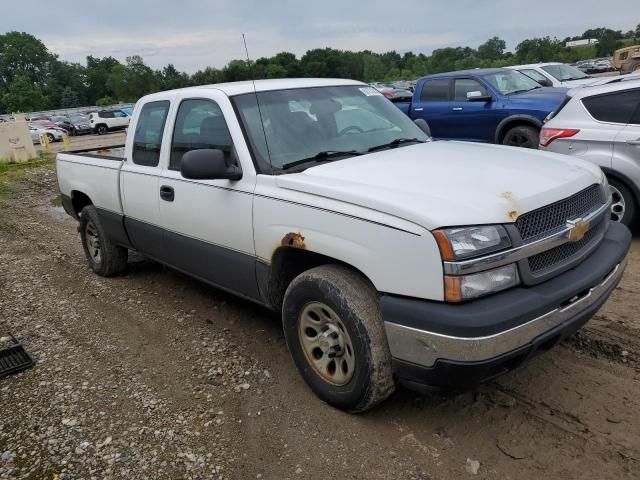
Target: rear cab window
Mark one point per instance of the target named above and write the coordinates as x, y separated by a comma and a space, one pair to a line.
147, 139
617, 107
436, 90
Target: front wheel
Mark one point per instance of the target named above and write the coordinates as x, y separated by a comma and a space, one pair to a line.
623, 203
101, 130
104, 257
522, 136
336, 336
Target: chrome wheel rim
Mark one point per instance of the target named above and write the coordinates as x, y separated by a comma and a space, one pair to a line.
326, 343
93, 242
617, 204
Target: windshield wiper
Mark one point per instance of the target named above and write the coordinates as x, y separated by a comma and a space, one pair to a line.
323, 156
522, 90
395, 143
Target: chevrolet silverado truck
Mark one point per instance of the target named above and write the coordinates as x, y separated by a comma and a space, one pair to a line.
392, 258
491, 105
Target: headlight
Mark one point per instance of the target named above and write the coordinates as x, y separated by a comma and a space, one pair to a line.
466, 242
466, 287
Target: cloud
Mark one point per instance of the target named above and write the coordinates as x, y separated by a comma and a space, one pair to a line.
194, 34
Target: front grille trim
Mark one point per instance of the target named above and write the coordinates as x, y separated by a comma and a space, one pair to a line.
542, 221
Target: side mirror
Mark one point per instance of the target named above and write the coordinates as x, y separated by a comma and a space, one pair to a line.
477, 96
423, 125
545, 82
208, 164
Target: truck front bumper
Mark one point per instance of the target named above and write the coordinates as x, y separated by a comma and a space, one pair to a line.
459, 346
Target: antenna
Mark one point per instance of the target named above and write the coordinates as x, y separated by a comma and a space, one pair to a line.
255, 91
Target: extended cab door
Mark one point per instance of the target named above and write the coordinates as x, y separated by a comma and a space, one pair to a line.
433, 105
208, 223
139, 179
471, 120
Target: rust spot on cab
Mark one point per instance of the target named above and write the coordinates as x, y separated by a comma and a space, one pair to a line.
295, 240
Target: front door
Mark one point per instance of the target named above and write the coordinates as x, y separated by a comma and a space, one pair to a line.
208, 223
475, 121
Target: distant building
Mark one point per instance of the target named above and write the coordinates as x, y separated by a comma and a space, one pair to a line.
581, 43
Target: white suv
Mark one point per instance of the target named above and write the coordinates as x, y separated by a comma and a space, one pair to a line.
108, 120
602, 125
554, 74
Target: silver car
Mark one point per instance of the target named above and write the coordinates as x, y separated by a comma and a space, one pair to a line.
601, 124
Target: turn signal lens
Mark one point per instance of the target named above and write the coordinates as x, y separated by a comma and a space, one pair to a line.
466, 287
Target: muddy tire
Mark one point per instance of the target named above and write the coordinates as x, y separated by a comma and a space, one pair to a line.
334, 331
522, 136
104, 258
623, 203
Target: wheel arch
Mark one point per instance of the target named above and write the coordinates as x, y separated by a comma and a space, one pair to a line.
514, 121
621, 177
79, 200
287, 262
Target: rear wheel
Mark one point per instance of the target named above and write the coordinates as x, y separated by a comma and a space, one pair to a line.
51, 138
523, 136
335, 334
623, 203
101, 129
104, 257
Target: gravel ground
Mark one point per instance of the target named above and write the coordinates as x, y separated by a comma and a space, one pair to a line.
153, 375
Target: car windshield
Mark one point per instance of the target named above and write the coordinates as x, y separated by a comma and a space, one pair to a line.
322, 123
564, 72
510, 82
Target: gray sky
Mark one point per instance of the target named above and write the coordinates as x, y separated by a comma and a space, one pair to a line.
194, 34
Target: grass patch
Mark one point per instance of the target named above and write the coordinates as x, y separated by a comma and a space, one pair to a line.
12, 175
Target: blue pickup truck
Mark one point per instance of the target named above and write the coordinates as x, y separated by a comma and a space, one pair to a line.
494, 105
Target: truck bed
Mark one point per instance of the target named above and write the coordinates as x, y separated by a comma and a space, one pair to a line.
95, 171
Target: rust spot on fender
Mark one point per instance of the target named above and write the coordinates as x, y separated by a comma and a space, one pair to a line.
292, 239
513, 215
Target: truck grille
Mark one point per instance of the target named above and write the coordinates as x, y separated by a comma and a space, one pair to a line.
543, 220
543, 262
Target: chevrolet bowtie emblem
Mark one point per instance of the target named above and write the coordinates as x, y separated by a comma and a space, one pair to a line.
578, 228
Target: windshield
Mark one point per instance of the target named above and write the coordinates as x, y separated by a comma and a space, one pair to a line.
301, 123
511, 81
564, 72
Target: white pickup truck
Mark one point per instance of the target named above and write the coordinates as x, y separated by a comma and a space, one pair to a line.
393, 258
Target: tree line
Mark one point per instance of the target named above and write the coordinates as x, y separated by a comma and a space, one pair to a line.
32, 78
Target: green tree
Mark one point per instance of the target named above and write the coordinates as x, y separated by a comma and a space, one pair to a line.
536, 50
98, 71
23, 96
69, 98
492, 49
105, 101
22, 55
171, 78
373, 68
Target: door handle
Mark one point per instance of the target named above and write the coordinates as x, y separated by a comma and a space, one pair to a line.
457, 109
167, 193
419, 109
634, 142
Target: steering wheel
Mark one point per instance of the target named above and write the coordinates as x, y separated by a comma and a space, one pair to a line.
350, 128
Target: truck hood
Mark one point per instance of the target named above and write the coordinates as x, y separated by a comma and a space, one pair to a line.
446, 183
541, 98
578, 83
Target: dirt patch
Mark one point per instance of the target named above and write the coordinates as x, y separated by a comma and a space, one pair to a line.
153, 375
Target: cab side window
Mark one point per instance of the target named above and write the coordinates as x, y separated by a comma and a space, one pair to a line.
148, 136
200, 124
435, 91
462, 86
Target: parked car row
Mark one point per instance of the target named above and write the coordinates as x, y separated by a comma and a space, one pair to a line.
596, 65
597, 121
